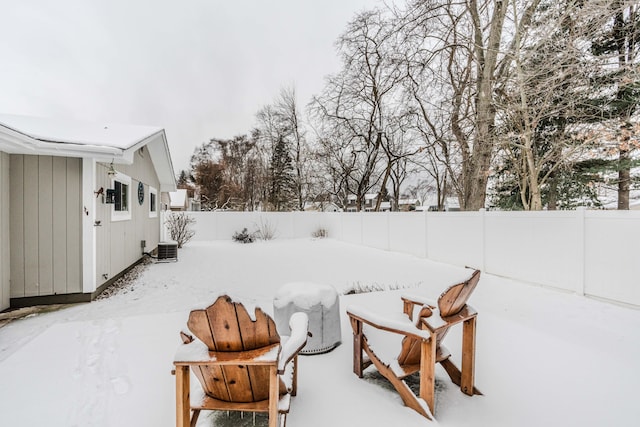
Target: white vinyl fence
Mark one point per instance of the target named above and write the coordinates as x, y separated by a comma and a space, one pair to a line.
588, 252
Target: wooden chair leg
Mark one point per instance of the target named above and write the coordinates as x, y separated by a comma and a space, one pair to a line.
468, 356
427, 372
183, 404
407, 396
357, 347
455, 375
294, 380
194, 417
274, 396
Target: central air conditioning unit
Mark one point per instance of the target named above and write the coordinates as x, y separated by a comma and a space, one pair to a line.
168, 251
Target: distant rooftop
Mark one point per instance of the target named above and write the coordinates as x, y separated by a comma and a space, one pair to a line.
178, 197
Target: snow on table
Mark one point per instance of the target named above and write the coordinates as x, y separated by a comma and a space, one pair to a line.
320, 303
305, 295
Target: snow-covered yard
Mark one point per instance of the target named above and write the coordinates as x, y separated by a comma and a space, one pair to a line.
544, 358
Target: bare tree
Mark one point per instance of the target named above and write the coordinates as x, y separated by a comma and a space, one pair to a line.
273, 133
356, 104
179, 226
465, 47
556, 86
290, 116
541, 95
226, 173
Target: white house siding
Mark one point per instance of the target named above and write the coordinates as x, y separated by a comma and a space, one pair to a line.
4, 232
45, 237
118, 242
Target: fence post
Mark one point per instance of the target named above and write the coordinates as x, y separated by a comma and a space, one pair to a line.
388, 213
426, 234
483, 238
361, 227
580, 250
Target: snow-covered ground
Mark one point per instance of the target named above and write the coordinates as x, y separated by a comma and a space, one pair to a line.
544, 358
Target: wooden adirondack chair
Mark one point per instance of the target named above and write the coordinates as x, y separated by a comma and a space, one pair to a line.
422, 343
240, 361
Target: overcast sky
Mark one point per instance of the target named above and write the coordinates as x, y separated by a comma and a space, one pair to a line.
197, 68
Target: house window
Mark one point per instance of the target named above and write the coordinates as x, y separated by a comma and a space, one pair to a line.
122, 198
153, 202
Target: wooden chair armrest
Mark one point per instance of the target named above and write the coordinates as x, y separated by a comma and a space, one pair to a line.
197, 353
398, 324
418, 300
436, 322
299, 325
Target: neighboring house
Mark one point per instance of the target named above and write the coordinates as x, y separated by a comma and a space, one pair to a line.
351, 205
406, 205
384, 207
369, 202
179, 200
182, 200
321, 207
451, 204
79, 205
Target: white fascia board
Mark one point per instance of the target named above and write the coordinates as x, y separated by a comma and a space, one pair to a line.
161, 159
127, 155
17, 143
14, 142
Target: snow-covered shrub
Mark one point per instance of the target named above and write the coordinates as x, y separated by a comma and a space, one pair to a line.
362, 288
320, 233
179, 226
243, 236
265, 230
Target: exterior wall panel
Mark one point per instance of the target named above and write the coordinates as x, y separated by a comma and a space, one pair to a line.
5, 285
16, 196
45, 225
30, 215
59, 218
118, 242
73, 226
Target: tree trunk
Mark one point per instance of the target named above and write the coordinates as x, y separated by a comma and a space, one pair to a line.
486, 58
552, 200
535, 198
624, 179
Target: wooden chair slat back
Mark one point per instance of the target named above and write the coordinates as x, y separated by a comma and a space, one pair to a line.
226, 326
198, 324
409, 351
455, 297
212, 380
240, 386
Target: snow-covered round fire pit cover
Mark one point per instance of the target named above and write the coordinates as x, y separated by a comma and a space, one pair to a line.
321, 304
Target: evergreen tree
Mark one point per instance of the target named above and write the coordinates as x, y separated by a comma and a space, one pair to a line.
617, 88
282, 188
183, 179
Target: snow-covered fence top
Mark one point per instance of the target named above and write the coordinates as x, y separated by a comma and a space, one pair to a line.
587, 252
